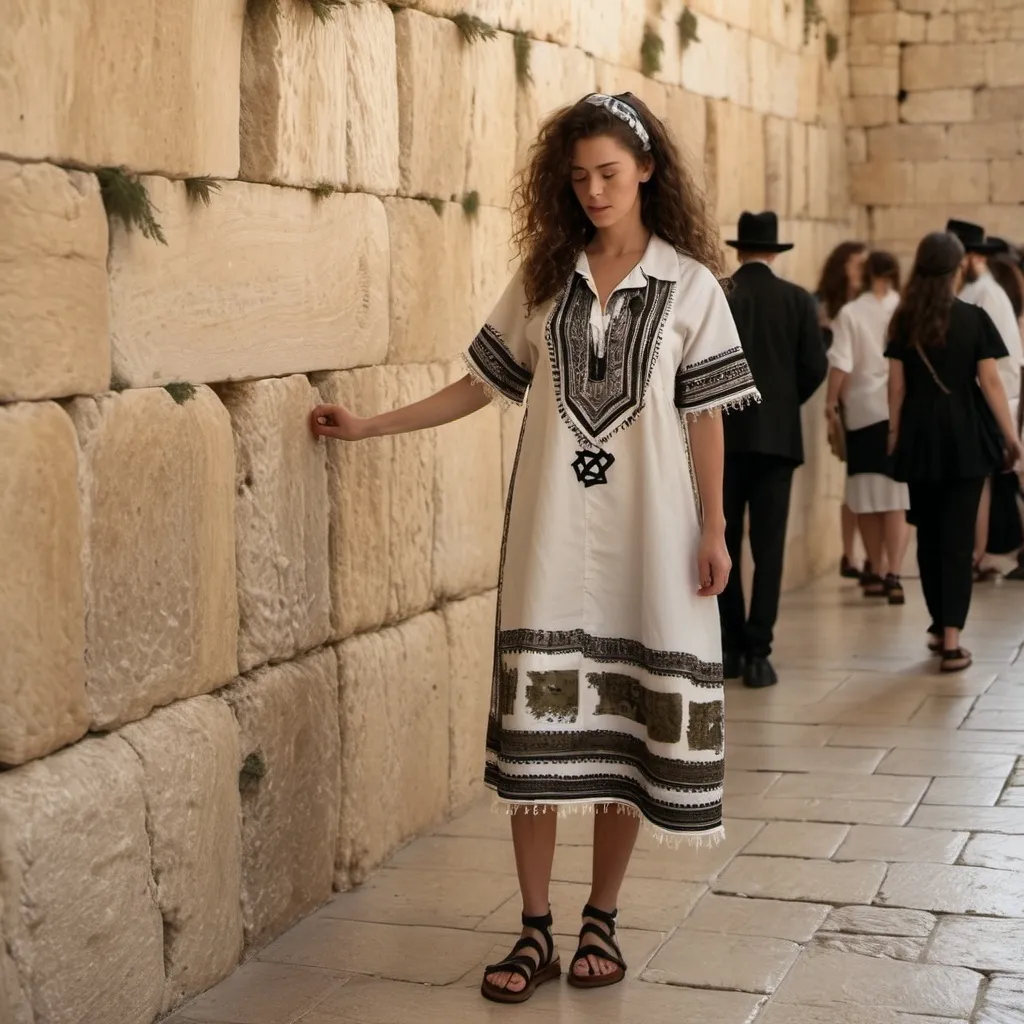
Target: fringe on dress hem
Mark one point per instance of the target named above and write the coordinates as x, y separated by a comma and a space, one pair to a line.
672, 840
493, 394
733, 405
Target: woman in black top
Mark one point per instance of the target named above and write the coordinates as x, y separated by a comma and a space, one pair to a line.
945, 434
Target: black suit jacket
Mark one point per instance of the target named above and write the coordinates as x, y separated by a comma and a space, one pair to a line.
778, 327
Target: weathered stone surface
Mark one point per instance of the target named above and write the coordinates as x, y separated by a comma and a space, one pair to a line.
898, 27
1004, 63
468, 502
994, 851
810, 839
281, 520
738, 185
462, 93
774, 79
290, 787
470, 632
158, 521
997, 140
881, 183
705, 70
614, 33
985, 944
796, 922
53, 293
939, 106
798, 174
870, 842
42, 621
151, 86
874, 81
394, 712
788, 878
999, 104
868, 111
927, 66
14, 1003
190, 758
952, 181
265, 281
382, 531
954, 889
81, 921
1007, 184
908, 142
890, 947
686, 117
880, 921
320, 98
777, 155
1002, 1001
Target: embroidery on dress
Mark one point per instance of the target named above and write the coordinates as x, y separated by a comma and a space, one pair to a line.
592, 467
507, 684
595, 409
613, 649
496, 365
721, 380
705, 729
660, 713
554, 696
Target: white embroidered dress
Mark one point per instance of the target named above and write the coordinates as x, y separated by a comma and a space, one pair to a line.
607, 680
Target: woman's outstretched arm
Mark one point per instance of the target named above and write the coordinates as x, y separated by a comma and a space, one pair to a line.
451, 403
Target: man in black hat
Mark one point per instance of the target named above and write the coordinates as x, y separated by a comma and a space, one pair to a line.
778, 327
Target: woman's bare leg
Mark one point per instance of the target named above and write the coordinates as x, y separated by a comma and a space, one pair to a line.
848, 525
615, 835
872, 532
533, 837
981, 524
895, 540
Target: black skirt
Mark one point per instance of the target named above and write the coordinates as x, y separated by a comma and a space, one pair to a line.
866, 450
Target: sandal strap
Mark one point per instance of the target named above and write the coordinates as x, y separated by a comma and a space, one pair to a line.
543, 925
520, 965
601, 915
602, 954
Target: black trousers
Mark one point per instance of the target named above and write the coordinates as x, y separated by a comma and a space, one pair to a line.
761, 483
944, 514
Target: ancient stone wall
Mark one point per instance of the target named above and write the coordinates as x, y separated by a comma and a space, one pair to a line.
239, 667
936, 116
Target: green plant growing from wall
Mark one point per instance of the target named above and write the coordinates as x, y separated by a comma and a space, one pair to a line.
813, 18
180, 391
471, 203
474, 28
324, 10
125, 197
831, 46
323, 190
253, 769
118, 383
200, 190
651, 49
521, 44
687, 25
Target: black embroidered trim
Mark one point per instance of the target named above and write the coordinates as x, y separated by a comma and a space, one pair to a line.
497, 366
715, 381
608, 787
595, 410
613, 649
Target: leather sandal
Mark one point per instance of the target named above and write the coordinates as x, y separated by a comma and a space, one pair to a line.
605, 931
873, 585
894, 589
534, 972
956, 660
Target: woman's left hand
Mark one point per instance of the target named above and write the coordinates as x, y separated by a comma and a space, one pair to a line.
713, 563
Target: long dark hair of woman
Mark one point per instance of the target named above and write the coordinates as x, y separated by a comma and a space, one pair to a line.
551, 228
1010, 279
923, 316
834, 286
883, 266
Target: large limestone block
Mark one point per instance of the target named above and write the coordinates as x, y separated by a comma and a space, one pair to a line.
799, 178
162, 615
999, 140
53, 292
774, 79
928, 66
381, 493
687, 119
42, 611
705, 69
490, 69
869, 111
281, 520
952, 181
264, 282
897, 27
81, 925
940, 106
1007, 183
15, 1007
468, 502
320, 99
779, 23
874, 81
882, 182
809, 105
470, 625
394, 714
1005, 67
559, 77
613, 32
777, 156
999, 105
150, 85
189, 755
738, 184
613, 79
290, 785
908, 142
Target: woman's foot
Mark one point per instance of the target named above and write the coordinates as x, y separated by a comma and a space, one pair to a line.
847, 569
532, 962
598, 960
867, 572
984, 573
873, 585
955, 659
894, 590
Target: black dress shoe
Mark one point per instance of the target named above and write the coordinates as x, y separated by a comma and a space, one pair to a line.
732, 664
759, 673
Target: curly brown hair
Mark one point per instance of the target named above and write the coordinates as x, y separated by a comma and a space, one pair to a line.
834, 286
922, 316
551, 228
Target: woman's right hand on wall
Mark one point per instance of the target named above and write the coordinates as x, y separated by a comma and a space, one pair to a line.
336, 421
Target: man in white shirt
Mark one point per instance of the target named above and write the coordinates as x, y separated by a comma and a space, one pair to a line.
980, 288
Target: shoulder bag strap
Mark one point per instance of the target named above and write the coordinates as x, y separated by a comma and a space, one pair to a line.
931, 369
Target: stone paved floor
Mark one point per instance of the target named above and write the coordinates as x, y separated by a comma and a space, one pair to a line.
873, 871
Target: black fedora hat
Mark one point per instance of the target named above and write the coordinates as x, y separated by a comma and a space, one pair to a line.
1001, 244
973, 237
759, 232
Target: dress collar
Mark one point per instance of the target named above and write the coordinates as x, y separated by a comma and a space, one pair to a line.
659, 260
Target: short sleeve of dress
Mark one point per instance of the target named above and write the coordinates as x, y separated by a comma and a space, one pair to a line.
840, 353
713, 373
500, 357
990, 344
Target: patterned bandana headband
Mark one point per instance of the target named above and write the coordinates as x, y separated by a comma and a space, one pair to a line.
624, 112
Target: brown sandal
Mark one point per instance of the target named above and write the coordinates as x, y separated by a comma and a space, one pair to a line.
873, 586
605, 931
956, 660
894, 589
533, 972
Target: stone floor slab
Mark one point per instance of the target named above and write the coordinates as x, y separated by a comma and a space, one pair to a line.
954, 889
739, 783
871, 812
890, 947
739, 963
964, 792
775, 919
982, 943
897, 788
785, 1013
946, 763
814, 881
1002, 1002
1009, 820
868, 842
995, 851
880, 921
826, 977
798, 839
806, 759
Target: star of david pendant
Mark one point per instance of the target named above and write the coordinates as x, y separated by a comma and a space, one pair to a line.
592, 467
